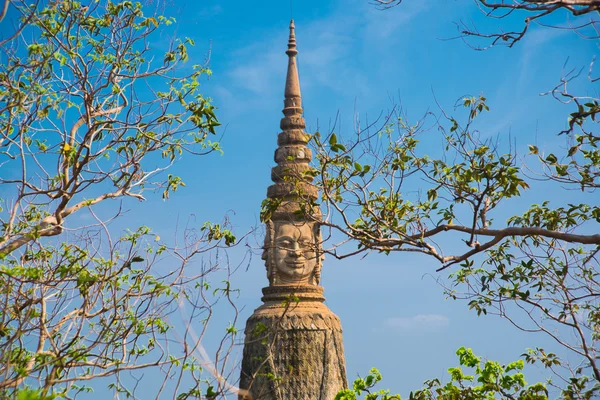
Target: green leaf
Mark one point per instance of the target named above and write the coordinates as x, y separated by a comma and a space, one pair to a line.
573, 150
533, 149
332, 140
551, 158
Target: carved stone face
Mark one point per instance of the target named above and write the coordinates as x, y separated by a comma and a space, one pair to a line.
294, 254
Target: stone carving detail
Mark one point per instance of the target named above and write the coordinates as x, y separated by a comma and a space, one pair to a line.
293, 347
292, 253
293, 352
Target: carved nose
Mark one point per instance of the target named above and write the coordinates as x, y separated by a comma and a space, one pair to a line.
295, 250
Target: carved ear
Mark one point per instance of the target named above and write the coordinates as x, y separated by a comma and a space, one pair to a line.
318, 252
268, 251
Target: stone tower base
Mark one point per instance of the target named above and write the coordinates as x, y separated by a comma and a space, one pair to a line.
293, 347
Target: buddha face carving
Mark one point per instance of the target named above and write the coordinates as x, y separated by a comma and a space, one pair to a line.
293, 258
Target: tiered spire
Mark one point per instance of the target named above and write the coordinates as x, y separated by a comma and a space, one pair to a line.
292, 156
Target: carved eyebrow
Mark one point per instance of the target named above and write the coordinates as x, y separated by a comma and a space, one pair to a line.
281, 238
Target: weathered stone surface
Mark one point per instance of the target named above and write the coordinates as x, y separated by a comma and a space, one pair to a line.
295, 122
293, 346
287, 211
287, 190
280, 172
296, 153
293, 349
293, 136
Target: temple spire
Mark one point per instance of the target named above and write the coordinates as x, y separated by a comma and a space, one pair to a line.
293, 98
292, 155
299, 343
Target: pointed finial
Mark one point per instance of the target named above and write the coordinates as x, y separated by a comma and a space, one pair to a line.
293, 98
292, 41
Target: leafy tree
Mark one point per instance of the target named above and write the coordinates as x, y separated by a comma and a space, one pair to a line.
538, 268
541, 264
489, 380
89, 117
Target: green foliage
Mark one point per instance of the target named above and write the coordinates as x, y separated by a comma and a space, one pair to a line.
93, 115
29, 394
268, 207
543, 257
538, 267
488, 380
83, 70
217, 233
365, 386
476, 177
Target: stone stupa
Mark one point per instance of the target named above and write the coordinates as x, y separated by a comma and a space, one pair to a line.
293, 348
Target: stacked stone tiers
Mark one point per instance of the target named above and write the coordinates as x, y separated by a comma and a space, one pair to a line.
292, 157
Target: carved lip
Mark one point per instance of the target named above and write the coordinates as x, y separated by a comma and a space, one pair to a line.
296, 264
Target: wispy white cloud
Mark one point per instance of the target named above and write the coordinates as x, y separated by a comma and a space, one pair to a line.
258, 76
326, 46
210, 11
421, 322
255, 80
384, 24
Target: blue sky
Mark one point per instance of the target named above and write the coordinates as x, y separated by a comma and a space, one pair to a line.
354, 61
357, 61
